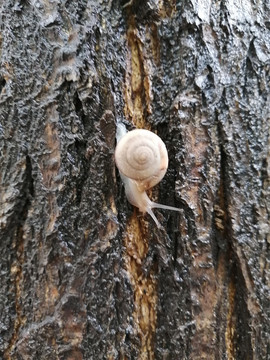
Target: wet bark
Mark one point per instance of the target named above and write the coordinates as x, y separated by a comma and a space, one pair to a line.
84, 275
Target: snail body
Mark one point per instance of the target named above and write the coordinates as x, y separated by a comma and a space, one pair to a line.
142, 159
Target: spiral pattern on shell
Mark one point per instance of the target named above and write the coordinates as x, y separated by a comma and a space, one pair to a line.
142, 156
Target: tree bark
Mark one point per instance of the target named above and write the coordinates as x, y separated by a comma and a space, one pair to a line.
84, 275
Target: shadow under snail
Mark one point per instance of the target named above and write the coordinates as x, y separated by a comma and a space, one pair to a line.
142, 160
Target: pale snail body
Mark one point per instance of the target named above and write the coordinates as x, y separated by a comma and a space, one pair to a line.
142, 160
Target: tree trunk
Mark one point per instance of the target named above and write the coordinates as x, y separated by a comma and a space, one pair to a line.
84, 274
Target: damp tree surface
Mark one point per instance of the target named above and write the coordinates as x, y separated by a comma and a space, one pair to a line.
83, 274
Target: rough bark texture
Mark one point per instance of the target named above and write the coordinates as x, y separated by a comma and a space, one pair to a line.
83, 274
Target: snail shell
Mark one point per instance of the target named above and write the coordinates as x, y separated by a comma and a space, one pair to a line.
142, 156
142, 159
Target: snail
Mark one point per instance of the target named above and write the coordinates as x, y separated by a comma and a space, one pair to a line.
142, 160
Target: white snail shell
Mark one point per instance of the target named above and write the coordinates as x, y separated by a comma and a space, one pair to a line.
142, 159
142, 156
